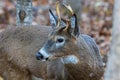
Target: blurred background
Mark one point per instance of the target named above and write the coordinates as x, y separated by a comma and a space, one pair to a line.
96, 18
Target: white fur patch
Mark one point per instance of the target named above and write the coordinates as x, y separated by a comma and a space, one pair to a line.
44, 53
60, 44
70, 60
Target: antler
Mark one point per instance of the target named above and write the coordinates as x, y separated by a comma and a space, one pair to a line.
58, 12
69, 8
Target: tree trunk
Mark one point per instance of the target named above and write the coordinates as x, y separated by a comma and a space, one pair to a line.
113, 65
24, 12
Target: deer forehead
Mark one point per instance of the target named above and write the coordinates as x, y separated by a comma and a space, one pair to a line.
56, 36
62, 33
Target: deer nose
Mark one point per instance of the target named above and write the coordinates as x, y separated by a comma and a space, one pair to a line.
39, 56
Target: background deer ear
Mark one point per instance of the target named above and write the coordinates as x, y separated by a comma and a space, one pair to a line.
53, 19
74, 26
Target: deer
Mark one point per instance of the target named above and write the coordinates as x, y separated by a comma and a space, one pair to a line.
69, 54
18, 46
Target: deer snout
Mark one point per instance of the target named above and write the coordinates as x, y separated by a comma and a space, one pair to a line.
40, 56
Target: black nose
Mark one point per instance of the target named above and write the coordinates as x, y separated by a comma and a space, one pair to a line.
39, 56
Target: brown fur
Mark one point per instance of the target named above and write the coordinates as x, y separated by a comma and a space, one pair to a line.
90, 65
18, 46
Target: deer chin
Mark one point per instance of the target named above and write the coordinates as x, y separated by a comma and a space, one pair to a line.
53, 58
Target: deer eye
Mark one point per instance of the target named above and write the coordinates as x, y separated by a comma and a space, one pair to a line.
60, 40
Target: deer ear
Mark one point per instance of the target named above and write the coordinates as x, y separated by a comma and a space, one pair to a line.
74, 28
53, 19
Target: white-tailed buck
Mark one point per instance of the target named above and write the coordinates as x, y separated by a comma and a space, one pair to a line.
18, 46
69, 54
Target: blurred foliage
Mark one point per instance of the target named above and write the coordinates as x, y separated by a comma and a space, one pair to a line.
96, 18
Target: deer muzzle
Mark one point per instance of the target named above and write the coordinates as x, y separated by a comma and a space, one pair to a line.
40, 56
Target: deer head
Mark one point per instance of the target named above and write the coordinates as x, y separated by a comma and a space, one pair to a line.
62, 40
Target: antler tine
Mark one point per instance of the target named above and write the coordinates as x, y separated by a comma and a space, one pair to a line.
69, 8
58, 11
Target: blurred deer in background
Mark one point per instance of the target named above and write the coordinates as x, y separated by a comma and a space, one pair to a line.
69, 54
18, 46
